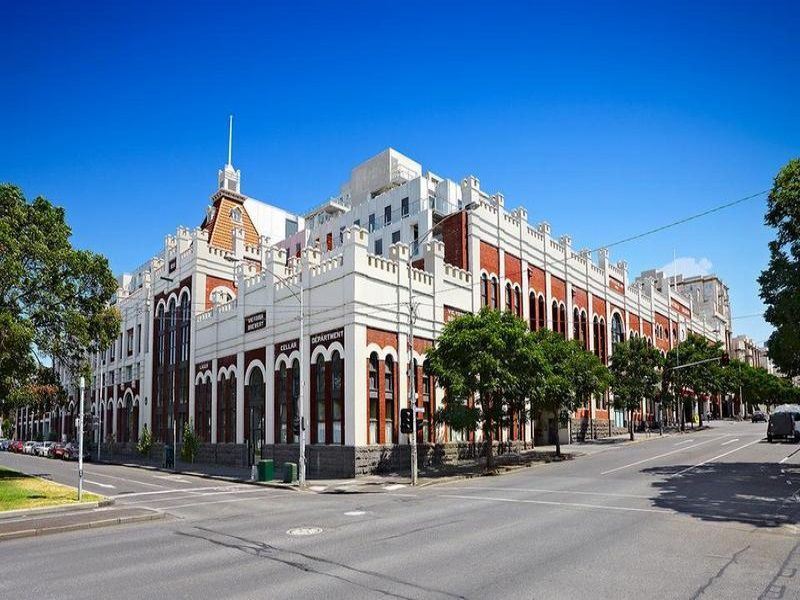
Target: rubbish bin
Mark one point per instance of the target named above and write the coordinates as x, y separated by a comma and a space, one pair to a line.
266, 470
169, 456
289, 472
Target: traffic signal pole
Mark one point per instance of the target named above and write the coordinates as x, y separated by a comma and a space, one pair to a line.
80, 443
412, 377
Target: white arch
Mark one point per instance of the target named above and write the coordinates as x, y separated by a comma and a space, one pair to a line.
121, 402
171, 297
226, 372
135, 401
184, 289
202, 377
256, 364
320, 350
381, 352
161, 304
221, 288
287, 360
334, 347
128, 392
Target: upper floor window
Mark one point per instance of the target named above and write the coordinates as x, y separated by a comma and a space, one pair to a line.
404, 207
396, 236
291, 227
617, 330
387, 214
236, 215
371, 223
379, 247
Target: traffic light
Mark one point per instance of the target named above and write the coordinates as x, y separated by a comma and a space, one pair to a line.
406, 420
725, 360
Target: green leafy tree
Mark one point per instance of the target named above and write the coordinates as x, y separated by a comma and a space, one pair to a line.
191, 443
702, 379
780, 281
635, 375
53, 298
487, 357
145, 443
568, 378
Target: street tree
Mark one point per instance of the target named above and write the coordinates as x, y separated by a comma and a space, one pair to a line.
486, 363
635, 375
54, 298
567, 379
702, 379
780, 281
590, 378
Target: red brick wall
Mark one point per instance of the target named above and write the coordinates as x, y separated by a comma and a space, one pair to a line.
536, 279
381, 337
212, 282
558, 289
454, 236
599, 307
513, 269
663, 343
634, 322
421, 345
490, 258
647, 329
580, 298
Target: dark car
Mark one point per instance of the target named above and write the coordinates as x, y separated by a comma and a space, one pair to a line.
759, 417
57, 451
70, 452
784, 425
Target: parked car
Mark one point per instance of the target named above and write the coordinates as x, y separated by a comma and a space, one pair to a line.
16, 446
57, 451
27, 447
43, 449
71, 452
759, 417
4, 444
784, 424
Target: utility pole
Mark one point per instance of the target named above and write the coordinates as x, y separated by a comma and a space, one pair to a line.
301, 475
412, 377
80, 442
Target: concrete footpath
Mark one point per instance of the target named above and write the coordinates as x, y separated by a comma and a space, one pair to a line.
70, 518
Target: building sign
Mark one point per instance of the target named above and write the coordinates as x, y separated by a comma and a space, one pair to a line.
255, 321
173, 263
327, 338
451, 313
203, 366
286, 347
616, 285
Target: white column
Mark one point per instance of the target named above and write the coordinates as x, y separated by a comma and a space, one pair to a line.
214, 387
240, 416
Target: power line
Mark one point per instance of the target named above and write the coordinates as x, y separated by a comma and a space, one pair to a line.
683, 220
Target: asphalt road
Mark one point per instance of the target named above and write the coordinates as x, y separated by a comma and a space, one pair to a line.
704, 515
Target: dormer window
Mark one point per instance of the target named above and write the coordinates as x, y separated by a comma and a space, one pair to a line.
236, 215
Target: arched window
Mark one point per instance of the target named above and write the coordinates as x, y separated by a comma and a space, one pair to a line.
532, 321
584, 330
596, 335
562, 320
160, 329
484, 290
282, 421
202, 410
617, 331
576, 324
236, 215
295, 433
509, 298
226, 414
495, 293
172, 314
542, 313
517, 302
254, 411
337, 397
554, 316
320, 396
373, 398
388, 391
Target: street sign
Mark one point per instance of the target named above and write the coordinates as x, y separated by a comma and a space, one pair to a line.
419, 409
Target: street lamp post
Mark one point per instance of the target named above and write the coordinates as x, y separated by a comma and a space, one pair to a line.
411, 370
80, 442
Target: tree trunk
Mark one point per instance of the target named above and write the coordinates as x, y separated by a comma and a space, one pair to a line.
700, 412
487, 435
630, 424
558, 428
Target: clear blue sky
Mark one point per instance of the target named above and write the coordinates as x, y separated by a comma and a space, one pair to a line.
605, 119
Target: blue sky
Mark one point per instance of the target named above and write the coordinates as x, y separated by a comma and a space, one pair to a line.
605, 119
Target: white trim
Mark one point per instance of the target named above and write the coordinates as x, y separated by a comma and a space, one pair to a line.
320, 350
203, 377
188, 293
225, 372
256, 364
287, 360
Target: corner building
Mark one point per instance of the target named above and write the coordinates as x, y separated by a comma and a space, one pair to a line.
211, 325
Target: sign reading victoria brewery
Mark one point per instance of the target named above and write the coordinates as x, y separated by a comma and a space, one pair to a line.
255, 321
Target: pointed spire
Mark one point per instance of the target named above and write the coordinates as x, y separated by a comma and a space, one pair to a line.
230, 140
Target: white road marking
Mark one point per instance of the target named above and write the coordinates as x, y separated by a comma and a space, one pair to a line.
686, 470
205, 503
354, 513
543, 491
203, 495
553, 503
683, 442
102, 485
644, 460
730, 441
175, 491
95, 474
316, 488
783, 460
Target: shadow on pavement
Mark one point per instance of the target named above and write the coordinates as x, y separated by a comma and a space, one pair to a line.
760, 494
